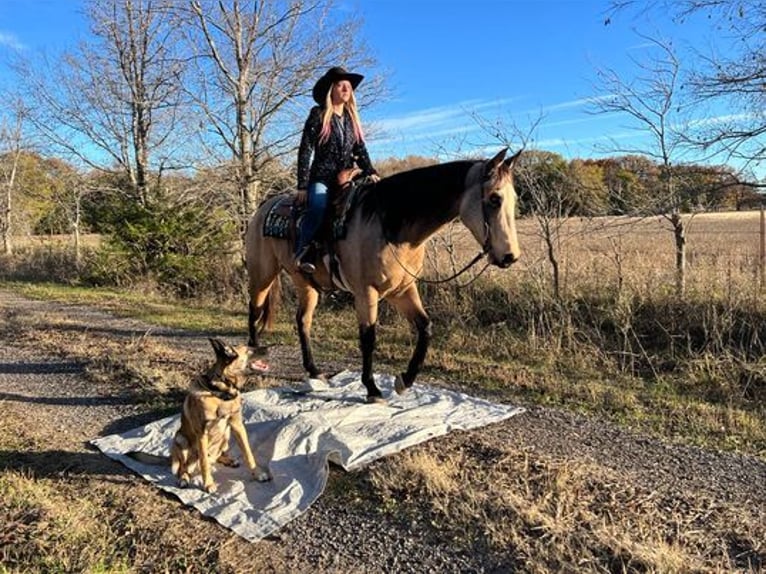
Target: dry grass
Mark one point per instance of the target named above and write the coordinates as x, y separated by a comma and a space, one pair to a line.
534, 512
547, 515
632, 254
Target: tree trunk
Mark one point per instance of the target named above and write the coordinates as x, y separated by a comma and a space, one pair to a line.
679, 232
7, 224
7, 240
76, 231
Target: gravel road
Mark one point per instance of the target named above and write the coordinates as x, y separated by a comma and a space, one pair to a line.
65, 408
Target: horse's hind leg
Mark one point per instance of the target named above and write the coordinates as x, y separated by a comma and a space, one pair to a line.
410, 305
308, 297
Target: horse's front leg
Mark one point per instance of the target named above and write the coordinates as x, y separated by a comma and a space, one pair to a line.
410, 305
308, 297
367, 314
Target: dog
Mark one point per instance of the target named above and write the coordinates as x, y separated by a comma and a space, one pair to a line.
212, 411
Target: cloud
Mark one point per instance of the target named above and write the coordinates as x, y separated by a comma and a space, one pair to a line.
436, 121
10, 41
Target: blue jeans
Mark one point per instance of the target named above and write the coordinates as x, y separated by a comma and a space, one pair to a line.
316, 203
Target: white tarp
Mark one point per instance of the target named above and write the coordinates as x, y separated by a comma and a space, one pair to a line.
297, 433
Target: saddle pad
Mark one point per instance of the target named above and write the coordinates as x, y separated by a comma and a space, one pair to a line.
284, 215
279, 218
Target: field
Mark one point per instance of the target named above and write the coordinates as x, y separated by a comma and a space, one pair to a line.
642, 450
723, 253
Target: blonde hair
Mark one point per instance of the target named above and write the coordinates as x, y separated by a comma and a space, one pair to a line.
356, 121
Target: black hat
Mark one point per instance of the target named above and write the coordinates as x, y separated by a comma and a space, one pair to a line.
334, 74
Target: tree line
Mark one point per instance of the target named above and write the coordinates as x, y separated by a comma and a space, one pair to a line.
176, 117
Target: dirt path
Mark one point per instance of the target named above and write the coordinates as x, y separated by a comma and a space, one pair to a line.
55, 398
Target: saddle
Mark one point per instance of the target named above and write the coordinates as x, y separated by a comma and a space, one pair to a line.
284, 217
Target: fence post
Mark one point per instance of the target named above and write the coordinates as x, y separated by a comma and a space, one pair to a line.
762, 262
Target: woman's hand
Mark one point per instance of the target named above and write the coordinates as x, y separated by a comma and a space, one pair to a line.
374, 178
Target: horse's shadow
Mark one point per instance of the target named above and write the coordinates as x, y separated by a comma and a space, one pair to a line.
127, 423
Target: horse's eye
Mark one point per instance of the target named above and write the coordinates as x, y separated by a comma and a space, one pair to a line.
495, 200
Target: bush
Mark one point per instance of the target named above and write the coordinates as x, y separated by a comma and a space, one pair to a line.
186, 249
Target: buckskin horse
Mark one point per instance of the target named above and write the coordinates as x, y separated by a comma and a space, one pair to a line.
382, 251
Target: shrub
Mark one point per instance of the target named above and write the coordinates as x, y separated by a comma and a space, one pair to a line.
186, 249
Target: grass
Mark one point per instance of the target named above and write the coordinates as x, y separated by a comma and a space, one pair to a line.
688, 370
555, 516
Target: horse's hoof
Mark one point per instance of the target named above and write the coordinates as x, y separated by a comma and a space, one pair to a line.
261, 474
399, 385
376, 400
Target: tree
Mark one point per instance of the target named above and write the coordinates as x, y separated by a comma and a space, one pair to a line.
651, 102
629, 181
253, 61
730, 74
589, 194
11, 149
114, 102
542, 184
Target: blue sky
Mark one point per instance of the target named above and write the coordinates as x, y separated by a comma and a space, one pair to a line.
512, 62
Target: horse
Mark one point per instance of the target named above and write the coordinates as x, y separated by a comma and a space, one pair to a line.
382, 252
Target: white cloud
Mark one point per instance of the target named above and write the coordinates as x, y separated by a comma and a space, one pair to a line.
10, 41
435, 122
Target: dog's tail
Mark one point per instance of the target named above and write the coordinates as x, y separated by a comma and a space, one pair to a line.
146, 458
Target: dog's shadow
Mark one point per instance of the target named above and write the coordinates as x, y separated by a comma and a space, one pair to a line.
62, 463
121, 425
89, 462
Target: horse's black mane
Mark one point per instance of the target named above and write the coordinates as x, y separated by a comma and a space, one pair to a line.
425, 196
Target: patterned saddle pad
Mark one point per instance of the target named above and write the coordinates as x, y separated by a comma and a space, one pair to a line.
282, 219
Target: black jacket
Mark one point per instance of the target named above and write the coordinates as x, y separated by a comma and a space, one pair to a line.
332, 156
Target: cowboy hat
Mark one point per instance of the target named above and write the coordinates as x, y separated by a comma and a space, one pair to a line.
334, 74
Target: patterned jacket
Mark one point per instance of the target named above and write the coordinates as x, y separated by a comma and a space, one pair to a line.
337, 153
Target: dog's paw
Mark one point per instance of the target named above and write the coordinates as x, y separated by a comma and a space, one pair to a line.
227, 460
261, 474
183, 482
211, 488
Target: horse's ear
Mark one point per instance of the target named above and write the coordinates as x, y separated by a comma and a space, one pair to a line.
511, 161
493, 164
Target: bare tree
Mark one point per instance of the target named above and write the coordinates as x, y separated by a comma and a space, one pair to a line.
254, 58
11, 148
652, 105
113, 103
729, 73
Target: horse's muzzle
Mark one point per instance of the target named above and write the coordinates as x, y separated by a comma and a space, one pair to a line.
506, 261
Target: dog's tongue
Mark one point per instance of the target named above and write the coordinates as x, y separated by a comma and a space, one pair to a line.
258, 365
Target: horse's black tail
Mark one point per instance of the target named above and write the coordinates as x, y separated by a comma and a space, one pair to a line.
270, 306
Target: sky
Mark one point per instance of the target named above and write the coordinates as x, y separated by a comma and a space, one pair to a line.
513, 63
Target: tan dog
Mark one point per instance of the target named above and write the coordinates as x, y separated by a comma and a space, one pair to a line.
212, 410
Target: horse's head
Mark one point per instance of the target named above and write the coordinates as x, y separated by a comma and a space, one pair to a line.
488, 208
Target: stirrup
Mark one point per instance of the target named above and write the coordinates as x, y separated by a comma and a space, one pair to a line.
305, 266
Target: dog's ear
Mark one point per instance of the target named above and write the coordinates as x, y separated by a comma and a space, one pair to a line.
222, 350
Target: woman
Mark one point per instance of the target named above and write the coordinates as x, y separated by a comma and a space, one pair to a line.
333, 135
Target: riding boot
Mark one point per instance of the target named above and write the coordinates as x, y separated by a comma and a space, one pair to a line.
310, 224
304, 257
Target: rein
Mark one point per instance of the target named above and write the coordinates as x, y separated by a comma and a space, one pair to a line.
474, 261
470, 264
